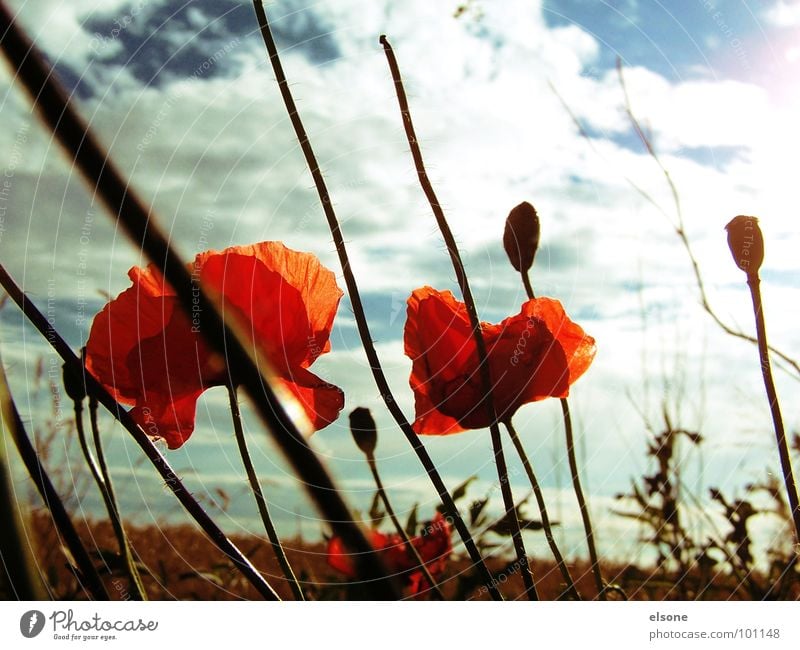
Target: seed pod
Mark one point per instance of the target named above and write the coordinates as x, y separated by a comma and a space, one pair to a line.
746, 243
362, 426
521, 236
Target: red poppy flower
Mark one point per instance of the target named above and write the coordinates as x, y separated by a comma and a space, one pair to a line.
536, 354
145, 349
433, 545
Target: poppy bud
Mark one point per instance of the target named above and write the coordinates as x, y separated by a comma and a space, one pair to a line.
73, 385
746, 243
362, 426
521, 236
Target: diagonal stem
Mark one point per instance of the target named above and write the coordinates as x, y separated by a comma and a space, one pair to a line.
582, 505
358, 310
75, 366
88, 576
680, 229
463, 283
254, 372
576, 479
261, 501
101, 460
100, 475
410, 548
572, 591
17, 567
754, 283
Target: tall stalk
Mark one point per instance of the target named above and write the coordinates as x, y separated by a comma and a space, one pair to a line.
224, 338
572, 591
480, 344
102, 480
87, 575
358, 309
746, 243
586, 518
365, 435
258, 493
18, 569
754, 283
74, 365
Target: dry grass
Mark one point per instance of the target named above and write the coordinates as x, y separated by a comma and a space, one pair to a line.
183, 565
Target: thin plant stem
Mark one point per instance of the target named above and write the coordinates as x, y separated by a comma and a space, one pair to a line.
258, 493
17, 567
87, 575
680, 230
254, 371
480, 344
754, 283
582, 505
101, 461
358, 310
101, 478
548, 529
526, 282
588, 529
75, 366
785, 360
410, 548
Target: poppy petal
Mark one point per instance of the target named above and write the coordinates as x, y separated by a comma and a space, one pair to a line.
533, 355
138, 312
288, 300
147, 352
166, 416
321, 401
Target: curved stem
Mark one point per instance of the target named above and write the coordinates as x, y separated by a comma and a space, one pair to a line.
254, 371
258, 493
754, 283
100, 474
526, 282
358, 310
680, 229
537, 491
75, 366
87, 574
410, 548
126, 549
477, 334
18, 570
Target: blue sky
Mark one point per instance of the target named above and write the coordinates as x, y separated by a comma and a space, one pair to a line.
182, 95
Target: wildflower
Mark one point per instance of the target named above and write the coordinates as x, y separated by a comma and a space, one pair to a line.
148, 353
433, 545
536, 354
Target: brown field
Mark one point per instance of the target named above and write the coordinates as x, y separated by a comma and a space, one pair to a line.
181, 564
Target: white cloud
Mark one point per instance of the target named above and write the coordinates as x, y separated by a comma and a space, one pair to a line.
493, 134
784, 14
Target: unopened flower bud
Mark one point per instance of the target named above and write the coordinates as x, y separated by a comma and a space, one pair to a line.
746, 243
73, 385
521, 236
362, 426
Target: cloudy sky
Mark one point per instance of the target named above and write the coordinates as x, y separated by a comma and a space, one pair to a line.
183, 96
